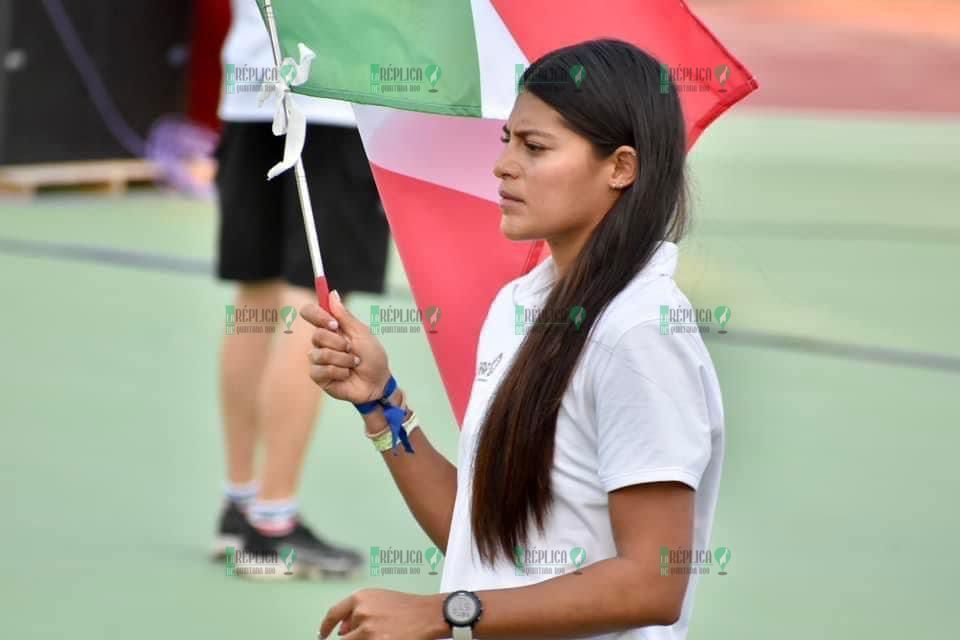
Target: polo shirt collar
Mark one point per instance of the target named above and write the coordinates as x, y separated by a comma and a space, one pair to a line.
543, 276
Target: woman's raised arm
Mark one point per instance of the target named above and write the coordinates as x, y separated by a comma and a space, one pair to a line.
349, 363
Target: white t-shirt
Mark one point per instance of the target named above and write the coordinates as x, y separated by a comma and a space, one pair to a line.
248, 46
641, 407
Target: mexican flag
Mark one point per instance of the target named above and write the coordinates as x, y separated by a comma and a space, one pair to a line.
432, 82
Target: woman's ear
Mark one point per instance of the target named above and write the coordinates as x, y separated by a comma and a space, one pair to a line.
625, 167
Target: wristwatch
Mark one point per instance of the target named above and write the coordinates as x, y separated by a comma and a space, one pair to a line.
461, 610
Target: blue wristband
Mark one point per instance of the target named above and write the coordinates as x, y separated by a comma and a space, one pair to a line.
367, 407
394, 415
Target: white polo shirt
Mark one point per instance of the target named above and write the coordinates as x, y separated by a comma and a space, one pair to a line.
641, 407
248, 45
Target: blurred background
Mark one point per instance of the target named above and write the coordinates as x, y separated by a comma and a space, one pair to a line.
825, 217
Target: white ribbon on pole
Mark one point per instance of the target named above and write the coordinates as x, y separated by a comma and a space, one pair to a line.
283, 120
287, 117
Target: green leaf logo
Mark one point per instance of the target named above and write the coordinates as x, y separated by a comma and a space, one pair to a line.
289, 314
518, 560
577, 73
578, 556
433, 76
433, 317
722, 314
722, 554
577, 316
433, 556
723, 74
289, 556
288, 70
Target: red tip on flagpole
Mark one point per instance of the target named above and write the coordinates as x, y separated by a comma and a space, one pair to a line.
323, 292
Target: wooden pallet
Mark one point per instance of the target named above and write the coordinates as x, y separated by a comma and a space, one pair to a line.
107, 176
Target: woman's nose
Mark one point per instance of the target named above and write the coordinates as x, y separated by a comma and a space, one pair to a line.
504, 166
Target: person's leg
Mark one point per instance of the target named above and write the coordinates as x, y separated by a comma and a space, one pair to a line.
288, 401
353, 234
244, 358
249, 253
344, 197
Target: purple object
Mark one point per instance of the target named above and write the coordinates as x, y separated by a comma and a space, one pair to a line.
172, 144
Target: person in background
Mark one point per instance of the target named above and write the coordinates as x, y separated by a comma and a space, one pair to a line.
268, 400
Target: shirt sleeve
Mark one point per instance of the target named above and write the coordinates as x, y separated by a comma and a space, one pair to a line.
651, 410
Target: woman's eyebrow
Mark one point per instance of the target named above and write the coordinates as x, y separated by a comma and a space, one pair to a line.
527, 132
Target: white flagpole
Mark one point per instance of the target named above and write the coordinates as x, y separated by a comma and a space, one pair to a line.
309, 225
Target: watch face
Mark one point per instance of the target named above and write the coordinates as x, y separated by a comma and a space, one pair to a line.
461, 609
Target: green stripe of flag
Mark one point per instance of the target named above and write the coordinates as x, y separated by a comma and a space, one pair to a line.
419, 55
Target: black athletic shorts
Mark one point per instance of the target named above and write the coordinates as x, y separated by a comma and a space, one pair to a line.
261, 226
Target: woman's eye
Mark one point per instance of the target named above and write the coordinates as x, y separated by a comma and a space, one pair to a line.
531, 147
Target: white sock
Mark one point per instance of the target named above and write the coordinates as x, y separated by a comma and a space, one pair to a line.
242, 495
274, 517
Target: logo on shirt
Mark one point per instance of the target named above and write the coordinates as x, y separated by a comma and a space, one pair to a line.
486, 367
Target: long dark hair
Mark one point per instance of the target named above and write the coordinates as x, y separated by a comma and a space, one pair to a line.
622, 98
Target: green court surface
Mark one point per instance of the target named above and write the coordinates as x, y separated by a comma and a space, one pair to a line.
838, 500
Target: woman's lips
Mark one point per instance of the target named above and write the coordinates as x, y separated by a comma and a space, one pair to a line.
508, 199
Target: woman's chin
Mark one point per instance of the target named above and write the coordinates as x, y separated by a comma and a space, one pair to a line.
512, 230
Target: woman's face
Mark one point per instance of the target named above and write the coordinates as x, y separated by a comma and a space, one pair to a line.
552, 184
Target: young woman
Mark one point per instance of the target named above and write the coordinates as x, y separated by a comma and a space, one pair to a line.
587, 446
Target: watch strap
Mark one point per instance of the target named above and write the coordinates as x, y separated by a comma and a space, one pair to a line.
462, 633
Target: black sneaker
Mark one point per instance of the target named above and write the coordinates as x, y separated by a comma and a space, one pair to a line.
314, 557
230, 531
